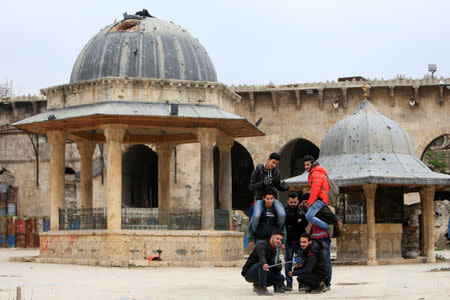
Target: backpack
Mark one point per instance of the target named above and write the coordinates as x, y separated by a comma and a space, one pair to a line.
335, 193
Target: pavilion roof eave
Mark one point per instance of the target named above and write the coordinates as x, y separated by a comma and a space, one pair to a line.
437, 180
139, 114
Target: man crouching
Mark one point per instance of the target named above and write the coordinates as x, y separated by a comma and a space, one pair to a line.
256, 270
314, 271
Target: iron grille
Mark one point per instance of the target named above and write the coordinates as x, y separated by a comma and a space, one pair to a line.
82, 218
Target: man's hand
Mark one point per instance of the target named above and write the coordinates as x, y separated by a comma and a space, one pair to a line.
251, 245
283, 246
299, 220
267, 181
290, 273
265, 267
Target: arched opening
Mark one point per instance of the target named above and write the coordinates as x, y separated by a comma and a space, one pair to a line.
140, 177
291, 163
437, 157
241, 168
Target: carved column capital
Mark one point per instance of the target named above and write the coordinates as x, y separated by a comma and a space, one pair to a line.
56, 137
224, 142
164, 148
114, 132
86, 148
207, 136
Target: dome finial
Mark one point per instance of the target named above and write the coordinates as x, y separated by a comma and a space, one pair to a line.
364, 92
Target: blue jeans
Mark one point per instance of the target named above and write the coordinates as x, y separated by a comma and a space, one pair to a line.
326, 241
258, 208
311, 214
264, 278
291, 249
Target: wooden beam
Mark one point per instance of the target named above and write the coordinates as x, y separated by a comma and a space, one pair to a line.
182, 138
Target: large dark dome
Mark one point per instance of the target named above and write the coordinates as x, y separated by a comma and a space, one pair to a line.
143, 47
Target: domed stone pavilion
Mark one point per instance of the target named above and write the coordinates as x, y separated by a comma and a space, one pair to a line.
143, 81
371, 158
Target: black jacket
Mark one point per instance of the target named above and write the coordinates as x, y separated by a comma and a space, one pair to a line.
314, 261
264, 254
256, 181
294, 228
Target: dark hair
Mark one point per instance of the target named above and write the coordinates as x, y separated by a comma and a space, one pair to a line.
269, 192
306, 235
275, 156
293, 195
309, 158
277, 232
305, 196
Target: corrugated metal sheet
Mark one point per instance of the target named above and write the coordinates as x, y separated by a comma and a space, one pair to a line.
368, 147
158, 49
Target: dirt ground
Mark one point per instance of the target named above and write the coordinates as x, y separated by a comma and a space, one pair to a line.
49, 281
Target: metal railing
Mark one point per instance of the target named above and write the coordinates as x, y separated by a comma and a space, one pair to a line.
161, 219
82, 218
170, 219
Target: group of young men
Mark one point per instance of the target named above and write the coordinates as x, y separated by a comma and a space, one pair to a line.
274, 228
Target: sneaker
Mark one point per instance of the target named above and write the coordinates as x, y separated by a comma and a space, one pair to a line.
322, 288
287, 288
264, 292
328, 287
302, 288
279, 290
337, 231
255, 287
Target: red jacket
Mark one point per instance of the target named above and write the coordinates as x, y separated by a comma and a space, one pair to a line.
317, 180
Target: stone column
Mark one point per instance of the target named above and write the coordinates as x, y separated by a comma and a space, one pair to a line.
86, 150
369, 192
114, 136
207, 137
57, 140
165, 153
224, 143
427, 206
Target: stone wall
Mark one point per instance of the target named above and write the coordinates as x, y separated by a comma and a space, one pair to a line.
284, 120
411, 227
132, 247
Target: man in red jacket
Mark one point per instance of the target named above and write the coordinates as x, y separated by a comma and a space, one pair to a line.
319, 188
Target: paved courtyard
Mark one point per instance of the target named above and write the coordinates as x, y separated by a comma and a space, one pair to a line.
48, 281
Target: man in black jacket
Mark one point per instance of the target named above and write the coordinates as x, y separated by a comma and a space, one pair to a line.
267, 177
256, 270
296, 224
314, 270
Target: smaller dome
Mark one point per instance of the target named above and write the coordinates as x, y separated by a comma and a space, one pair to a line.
366, 131
368, 147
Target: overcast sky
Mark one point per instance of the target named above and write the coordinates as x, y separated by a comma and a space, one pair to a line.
250, 42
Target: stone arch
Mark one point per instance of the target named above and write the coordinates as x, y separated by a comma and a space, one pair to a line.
140, 177
292, 153
241, 169
434, 141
